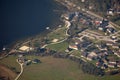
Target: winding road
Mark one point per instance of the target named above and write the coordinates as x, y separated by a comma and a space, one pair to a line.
68, 24
21, 66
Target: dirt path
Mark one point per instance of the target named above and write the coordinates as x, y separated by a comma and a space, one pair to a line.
7, 73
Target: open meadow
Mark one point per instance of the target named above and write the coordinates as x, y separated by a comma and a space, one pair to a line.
53, 69
58, 69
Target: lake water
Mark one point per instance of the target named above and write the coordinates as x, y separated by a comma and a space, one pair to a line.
23, 18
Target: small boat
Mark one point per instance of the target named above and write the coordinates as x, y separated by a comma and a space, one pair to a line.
47, 28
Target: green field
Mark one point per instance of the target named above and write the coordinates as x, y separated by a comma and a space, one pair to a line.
10, 62
61, 47
53, 69
59, 34
58, 69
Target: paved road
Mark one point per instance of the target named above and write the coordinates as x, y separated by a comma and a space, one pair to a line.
21, 66
98, 16
95, 35
110, 23
68, 24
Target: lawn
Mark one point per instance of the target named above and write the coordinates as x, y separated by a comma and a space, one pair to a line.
59, 34
59, 47
58, 69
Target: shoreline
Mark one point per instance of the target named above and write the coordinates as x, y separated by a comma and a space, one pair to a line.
41, 34
52, 21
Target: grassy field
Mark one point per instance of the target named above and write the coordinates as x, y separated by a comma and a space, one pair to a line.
53, 69
10, 62
58, 69
9, 67
59, 47
59, 34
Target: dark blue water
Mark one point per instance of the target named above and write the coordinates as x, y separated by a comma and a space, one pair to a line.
23, 18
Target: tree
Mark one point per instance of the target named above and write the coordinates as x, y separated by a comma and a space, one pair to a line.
92, 69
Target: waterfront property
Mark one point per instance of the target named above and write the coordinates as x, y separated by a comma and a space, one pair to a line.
25, 48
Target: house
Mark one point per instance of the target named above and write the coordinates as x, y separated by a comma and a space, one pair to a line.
118, 11
113, 37
102, 46
98, 22
102, 53
82, 0
118, 64
111, 30
104, 23
91, 56
110, 12
27, 62
84, 54
117, 53
54, 40
90, 7
76, 40
100, 28
115, 46
66, 16
20, 58
110, 43
112, 64
99, 64
25, 48
73, 47
84, 44
36, 61
112, 60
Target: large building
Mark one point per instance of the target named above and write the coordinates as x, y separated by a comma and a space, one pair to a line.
25, 48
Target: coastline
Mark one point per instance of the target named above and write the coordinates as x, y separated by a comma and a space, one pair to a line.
42, 33
30, 41
47, 17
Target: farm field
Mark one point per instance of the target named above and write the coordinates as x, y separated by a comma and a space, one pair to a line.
58, 69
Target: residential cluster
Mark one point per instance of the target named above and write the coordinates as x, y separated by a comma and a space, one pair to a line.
96, 43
